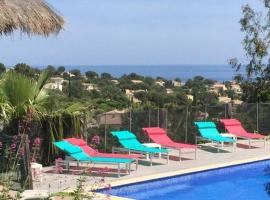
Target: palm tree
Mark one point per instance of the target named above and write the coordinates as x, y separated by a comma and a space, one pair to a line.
18, 94
21, 96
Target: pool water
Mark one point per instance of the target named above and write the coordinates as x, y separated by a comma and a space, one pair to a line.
247, 182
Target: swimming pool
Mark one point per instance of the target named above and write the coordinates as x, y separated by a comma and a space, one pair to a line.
247, 182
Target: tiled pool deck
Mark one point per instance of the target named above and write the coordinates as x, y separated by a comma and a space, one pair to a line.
207, 158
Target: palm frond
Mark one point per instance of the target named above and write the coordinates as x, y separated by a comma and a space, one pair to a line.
42, 80
18, 89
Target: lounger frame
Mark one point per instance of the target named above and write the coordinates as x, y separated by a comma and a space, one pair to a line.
179, 149
130, 151
67, 165
200, 138
251, 140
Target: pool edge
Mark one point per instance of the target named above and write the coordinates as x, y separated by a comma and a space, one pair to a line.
117, 183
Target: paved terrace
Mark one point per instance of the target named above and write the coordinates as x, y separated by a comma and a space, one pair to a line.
207, 158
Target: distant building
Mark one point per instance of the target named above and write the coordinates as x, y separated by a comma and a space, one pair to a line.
112, 118
202, 115
68, 73
224, 99
116, 82
130, 95
190, 97
236, 88
169, 91
90, 86
160, 83
176, 83
237, 101
56, 83
137, 81
217, 87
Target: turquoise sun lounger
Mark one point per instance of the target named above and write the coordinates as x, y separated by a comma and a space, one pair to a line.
131, 144
209, 132
79, 155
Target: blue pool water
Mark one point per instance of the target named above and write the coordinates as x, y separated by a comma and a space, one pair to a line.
247, 182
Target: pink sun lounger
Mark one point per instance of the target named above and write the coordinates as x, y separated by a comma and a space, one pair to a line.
94, 153
159, 136
235, 127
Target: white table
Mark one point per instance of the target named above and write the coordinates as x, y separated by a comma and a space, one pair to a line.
153, 145
228, 135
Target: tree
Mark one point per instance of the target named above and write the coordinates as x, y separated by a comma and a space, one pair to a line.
256, 27
142, 96
106, 76
21, 93
60, 70
76, 89
66, 75
149, 81
51, 68
198, 87
91, 75
134, 76
26, 70
2, 68
168, 84
22, 101
178, 80
76, 72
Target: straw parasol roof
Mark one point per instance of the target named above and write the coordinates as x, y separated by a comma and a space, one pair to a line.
33, 17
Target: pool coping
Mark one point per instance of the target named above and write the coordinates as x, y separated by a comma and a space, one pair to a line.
153, 177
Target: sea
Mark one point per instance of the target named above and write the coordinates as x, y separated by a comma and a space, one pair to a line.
184, 72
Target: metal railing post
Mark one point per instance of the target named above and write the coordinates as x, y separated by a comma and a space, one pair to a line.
130, 120
105, 137
225, 111
166, 120
149, 117
186, 134
158, 117
257, 118
205, 111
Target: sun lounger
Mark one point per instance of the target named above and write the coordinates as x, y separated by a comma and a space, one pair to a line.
235, 127
159, 136
80, 156
131, 144
94, 153
209, 132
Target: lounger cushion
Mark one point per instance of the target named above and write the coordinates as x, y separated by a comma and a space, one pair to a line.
67, 147
75, 141
123, 135
89, 150
209, 131
155, 131
81, 156
129, 141
230, 122
202, 125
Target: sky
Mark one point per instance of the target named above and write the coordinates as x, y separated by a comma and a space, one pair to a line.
135, 32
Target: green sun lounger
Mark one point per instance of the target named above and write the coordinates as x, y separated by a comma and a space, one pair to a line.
131, 144
79, 155
209, 132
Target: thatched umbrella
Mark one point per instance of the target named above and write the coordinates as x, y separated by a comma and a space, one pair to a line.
33, 17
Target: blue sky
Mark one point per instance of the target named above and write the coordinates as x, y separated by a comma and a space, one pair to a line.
119, 32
